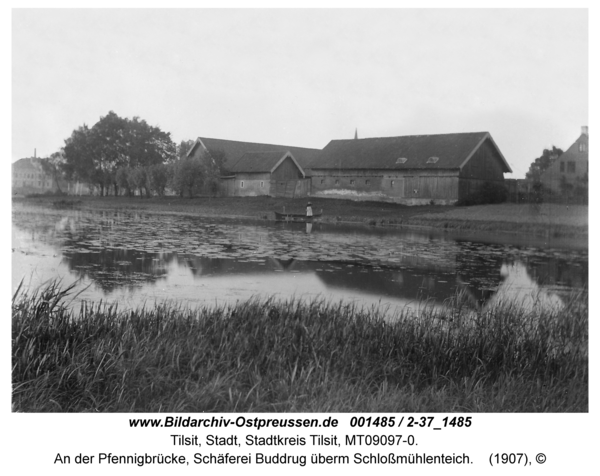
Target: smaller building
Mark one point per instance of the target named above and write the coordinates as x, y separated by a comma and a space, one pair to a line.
270, 173
569, 173
28, 177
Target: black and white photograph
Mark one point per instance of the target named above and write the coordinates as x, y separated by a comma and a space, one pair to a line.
338, 211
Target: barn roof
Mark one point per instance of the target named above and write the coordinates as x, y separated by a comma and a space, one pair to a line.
440, 151
265, 162
234, 150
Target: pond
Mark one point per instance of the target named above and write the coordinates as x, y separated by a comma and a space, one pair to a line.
136, 259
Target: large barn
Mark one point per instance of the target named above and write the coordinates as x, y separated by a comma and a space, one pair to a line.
442, 168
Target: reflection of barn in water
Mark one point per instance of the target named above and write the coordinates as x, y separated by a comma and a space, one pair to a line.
202, 266
412, 285
432, 283
559, 272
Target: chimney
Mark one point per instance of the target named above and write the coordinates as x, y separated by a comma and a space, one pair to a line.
584, 130
34, 151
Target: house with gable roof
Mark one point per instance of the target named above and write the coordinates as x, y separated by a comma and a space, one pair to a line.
413, 170
570, 170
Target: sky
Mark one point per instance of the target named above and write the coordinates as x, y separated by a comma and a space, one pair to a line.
304, 77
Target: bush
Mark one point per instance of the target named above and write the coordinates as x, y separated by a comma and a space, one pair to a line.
489, 192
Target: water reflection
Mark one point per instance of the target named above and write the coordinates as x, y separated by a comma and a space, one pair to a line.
144, 255
518, 286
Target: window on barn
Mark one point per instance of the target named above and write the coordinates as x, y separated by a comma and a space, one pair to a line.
242, 184
392, 184
582, 147
432, 160
367, 182
322, 181
401, 160
262, 185
571, 167
337, 181
351, 181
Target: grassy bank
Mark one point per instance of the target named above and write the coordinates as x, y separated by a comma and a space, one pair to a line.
545, 219
291, 356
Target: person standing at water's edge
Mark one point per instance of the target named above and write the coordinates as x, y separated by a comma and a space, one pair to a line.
309, 212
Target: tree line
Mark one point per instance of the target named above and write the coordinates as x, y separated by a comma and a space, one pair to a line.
121, 156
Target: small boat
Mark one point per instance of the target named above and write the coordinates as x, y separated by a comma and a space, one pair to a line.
297, 217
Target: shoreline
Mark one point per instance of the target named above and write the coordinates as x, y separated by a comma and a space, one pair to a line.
545, 221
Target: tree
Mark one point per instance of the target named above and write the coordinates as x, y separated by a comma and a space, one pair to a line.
54, 167
159, 178
110, 143
188, 176
79, 161
139, 180
539, 165
148, 145
94, 155
184, 147
122, 178
219, 159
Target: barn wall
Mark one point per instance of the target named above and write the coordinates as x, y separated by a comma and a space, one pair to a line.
434, 185
287, 181
227, 187
291, 188
287, 170
485, 165
232, 187
469, 186
407, 186
251, 185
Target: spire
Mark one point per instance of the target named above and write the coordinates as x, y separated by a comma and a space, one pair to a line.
356, 133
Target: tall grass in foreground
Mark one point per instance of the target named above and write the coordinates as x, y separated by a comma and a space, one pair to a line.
264, 355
